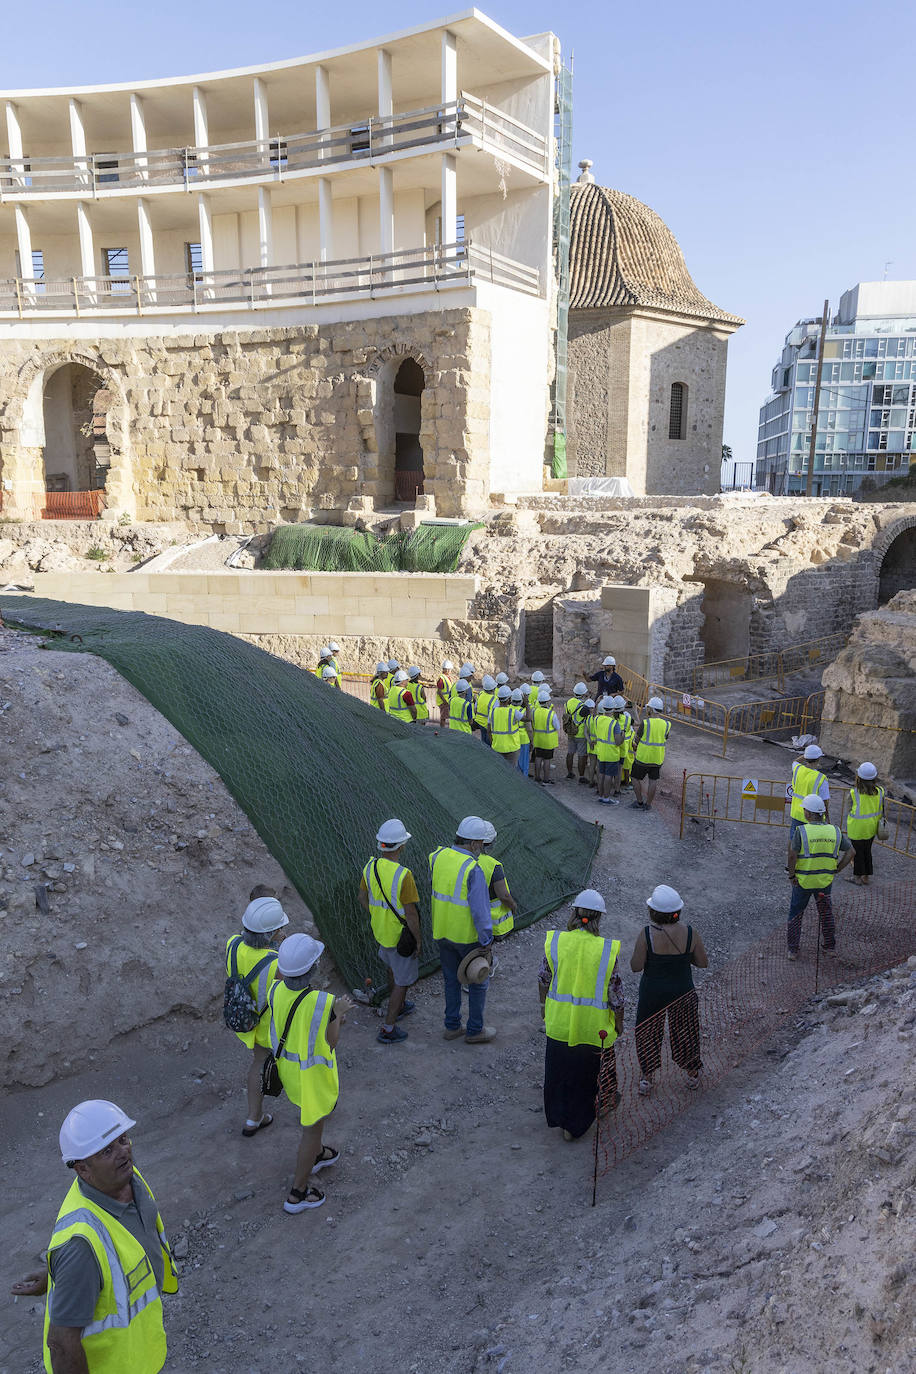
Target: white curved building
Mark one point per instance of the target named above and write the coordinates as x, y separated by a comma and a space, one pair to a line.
247, 295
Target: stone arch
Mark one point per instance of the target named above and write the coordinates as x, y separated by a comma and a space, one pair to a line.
22, 433
894, 553
375, 412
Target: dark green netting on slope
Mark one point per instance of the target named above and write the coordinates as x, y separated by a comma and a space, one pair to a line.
316, 771
332, 548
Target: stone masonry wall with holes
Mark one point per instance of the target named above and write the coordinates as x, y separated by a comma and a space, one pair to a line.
232, 431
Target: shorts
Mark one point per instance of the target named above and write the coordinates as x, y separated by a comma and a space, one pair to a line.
404, 971
645, 770
608, 768
544, 753
576, 746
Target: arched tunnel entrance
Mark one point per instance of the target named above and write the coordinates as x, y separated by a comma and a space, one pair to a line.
898, 569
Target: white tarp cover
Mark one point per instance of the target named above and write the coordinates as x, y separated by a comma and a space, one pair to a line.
600, 486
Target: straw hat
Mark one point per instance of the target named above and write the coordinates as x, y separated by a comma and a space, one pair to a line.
474, 968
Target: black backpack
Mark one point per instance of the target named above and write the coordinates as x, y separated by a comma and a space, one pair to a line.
240, 1010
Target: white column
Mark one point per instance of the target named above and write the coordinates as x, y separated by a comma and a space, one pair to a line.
385, 98
201, 126
78, 142
449, 68
87, 244
206, 233
265, 227
449, 198
24, 241
147, 249
386, 210
14, 138
325, 219
138, 135
322, 101
261, 120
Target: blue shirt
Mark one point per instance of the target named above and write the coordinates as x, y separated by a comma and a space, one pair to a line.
478, 900
609, 684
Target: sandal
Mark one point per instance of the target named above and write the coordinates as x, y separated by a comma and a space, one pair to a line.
305, 1197
326, 1158
261, 1125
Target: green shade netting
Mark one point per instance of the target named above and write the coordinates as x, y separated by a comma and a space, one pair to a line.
332, 548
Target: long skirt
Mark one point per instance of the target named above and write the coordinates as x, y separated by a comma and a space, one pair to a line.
862, 865
571, 1084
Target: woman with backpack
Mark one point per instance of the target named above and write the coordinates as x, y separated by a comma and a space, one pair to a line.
251, 967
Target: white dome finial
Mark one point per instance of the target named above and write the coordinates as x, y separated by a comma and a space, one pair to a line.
585, 177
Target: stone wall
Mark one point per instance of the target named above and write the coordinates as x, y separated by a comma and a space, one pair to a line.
236, 430
580, 625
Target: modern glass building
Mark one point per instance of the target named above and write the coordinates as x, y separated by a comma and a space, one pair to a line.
866, 427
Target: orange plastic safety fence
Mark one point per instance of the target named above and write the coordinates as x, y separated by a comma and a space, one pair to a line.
69, 505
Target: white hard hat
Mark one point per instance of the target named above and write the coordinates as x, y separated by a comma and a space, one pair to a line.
392, 834
325, 652
620, 703
328, 672
447, 666
263, 914
503, 693
517, 696
297, 954
525, 689
814, 751
502, 679
590, 900
472, 828
467, 670
610, 662
462, 685
813, 803
413, 672
489, 683
538, 676
381, 667
334, 647
544, 694
867, 771
393, 665
665, 899
400, 676
655, 704
589, 701
491, 832
580, 690
89, 1127
606, 704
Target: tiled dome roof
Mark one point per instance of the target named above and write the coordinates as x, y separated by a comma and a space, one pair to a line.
622, 253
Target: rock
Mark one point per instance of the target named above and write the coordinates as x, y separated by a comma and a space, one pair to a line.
27, 860
121, 718
180, 1247
630, 1223
424, 1138
764, 1228
83, 944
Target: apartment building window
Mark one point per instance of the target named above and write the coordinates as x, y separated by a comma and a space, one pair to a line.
278, 154
117, 267
677, 411
194, 260
106, 170
38, 265
359, 140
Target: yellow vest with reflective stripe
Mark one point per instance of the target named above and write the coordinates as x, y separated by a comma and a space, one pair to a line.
580, 966
815, 865
482, 707
503, 729
805, 782
521, 729
308, 1065
385, 925
126, 1331
247, 959
396, 707
444, 693
606, 748
460, 711
590, 721
545, 732
572, 710
503, 919
625, 721
651, 748
864, 813
419, 696
373, 699
451, 911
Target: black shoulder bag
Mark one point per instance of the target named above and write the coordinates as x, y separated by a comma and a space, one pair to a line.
271, 1086
407, 941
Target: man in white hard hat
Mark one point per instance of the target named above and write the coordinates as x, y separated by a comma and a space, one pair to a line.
335, 650
418, 692
304, 1027
444, 691
461, 707
484, 700
814, 862
519, 700
807, 780
109, 1260
401, 704
504, 723
378, 687
545, 736
388, 891
574, 725
330, 676
251, 967
607, 677
325, 660
462, 923
651, 741
609, 744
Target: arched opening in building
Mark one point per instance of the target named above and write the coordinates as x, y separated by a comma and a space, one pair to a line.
726, 628
408, 453
75, 447
898, 570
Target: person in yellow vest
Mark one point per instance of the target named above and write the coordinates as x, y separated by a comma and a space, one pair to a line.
806, 781
866, 812
814, 862
650, 740
575, 733
665, 954
304, 1028
545, 736
624, 717
503, 905
335, 650
444, 692
461, 707
252, 957
418, 691
378, 687
388, 891
485, 698
330, 676
582, 1000
108, 1260
325, 660
401, 704
462, 926
608, 751
504, 723
591, 757
519, 700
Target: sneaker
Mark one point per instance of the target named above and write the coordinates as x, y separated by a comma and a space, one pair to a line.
481, 1037
407, 1008
792, 956
613, 801
452, 1032
391, 1037
637, 806
645, 1087
584, 782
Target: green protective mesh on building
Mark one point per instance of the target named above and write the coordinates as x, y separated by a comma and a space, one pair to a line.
316, 771
332, 548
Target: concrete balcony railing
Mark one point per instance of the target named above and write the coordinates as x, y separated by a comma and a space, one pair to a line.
310, 283
467, 121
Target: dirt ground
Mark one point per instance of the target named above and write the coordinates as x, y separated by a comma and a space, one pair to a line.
769, 1229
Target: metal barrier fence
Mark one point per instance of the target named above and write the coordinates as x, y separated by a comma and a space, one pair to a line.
770, 663
736, 1010
798, 715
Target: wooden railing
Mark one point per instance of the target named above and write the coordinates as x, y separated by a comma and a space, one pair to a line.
466, 120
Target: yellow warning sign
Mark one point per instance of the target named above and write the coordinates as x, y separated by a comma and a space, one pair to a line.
749, 787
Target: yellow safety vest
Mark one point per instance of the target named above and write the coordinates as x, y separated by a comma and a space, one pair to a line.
580, 966
625, 721
396, 706
126, 1331
521, 729
503, 729
606, 747
308, 1065
385, 925
572, 710
482, 708
502, 916
451, 911
247, 960
864, 813
444, 693
590, 737
651, 748
815, 866
460, 711
419, 696
334, 664
374, 700
546, 731
805, 782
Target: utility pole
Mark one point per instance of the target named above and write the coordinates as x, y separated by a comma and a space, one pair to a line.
809, 484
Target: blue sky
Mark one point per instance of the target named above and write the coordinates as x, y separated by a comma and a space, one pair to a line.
776, 141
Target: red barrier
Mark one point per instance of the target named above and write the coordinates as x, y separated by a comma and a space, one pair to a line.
70, 505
